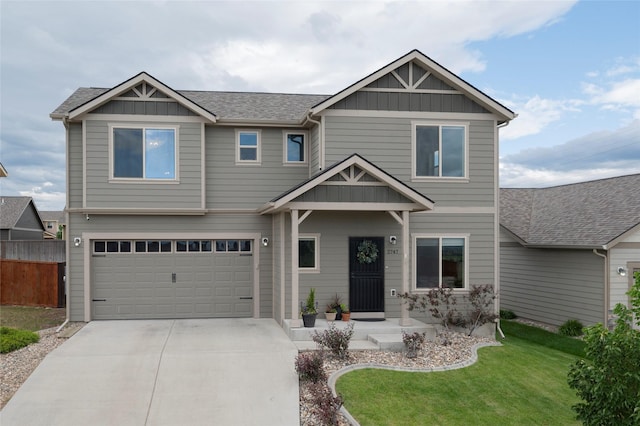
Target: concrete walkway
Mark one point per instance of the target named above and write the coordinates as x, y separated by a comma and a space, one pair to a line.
164, 372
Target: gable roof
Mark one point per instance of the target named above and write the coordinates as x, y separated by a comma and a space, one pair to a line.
591, 214
3, 171
53, 215
435, 68
12, 209
418, 201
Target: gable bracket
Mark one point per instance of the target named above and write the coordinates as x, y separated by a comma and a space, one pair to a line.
400, 80
304, 216
397, 217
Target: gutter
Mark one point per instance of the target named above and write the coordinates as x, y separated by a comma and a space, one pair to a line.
607, 286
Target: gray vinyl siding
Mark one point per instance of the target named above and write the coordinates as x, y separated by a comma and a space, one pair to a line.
104, 194
74, 165
335, 228
386, 142
247, 186
552, 285
167, 108
314, 150
227, 224
29, 221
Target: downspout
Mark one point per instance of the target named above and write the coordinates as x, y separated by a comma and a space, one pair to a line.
320, 139
497, 231
65, 122
606, 286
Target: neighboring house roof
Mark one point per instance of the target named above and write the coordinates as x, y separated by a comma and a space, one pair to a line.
256, 107
419, 201
434, 68
583, 215
3, 171
53, 215
12, 209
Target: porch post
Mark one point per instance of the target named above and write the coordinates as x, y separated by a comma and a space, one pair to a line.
295, 314
406, 273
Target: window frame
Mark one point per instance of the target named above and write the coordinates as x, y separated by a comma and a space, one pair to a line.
440, 237
285, 147
414, 151
144, 127
316, 239
258, 160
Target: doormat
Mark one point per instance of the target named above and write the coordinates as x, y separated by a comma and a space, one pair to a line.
368, 319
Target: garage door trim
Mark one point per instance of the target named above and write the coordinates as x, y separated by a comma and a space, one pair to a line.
87, 243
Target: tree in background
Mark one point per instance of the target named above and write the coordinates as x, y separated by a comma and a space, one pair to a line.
609, 381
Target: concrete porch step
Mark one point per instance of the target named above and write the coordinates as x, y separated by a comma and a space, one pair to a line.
354, 345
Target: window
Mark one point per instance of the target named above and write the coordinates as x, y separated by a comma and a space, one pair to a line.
295, 147
439, 150
144, 153
112, 246
153, 246
440, 262
232, 246
248, 146
308, 253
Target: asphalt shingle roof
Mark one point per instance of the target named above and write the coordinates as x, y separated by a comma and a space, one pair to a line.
588, 214
256, 106
11, 209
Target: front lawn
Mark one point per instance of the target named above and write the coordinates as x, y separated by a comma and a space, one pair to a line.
519, 383
31, 318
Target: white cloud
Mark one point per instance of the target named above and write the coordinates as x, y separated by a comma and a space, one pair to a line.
45, 200
535, 114
518, 176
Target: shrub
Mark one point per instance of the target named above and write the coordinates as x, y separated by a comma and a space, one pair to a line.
12, 339
310, 367
571, 328
507, 314
335, 339
609, 385
413, 343
326, 407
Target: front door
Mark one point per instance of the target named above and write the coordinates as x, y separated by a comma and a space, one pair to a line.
366, 272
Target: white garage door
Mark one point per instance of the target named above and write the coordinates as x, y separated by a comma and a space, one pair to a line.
171, 279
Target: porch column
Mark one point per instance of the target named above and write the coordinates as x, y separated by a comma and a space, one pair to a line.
406, 273
295, 314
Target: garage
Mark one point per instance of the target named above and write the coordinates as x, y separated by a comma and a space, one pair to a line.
134, 279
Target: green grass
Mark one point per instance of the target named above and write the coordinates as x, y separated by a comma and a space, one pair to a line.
31, 317
12, 339
543, 338
519, 383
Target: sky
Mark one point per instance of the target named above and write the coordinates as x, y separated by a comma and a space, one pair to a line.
570, 70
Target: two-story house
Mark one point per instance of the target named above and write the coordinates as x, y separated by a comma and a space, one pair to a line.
185, 204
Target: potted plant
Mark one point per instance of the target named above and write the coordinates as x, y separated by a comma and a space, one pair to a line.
346, 314
336, 302
330, 313
309, 309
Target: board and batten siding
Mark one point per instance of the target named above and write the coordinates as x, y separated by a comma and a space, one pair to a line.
552, 285
157, 225
386, 142
247, 186
102, 192
335, 230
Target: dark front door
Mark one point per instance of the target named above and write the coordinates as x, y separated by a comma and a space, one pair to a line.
366, 271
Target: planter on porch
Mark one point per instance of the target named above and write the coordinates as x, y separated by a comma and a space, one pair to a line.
330, 316
309, 320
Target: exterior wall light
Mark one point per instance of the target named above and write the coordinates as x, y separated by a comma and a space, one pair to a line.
393, 239
77, 241
265, 241
622, 271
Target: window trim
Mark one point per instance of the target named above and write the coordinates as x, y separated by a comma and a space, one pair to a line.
440, 237
414, 126
285, 147
258, 160
143, 127
316, 239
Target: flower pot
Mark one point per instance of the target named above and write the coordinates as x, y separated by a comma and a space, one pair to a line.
346, 316
330, 316
338, 313
309, 320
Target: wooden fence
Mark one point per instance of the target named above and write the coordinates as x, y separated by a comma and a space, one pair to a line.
42, 250
32, 283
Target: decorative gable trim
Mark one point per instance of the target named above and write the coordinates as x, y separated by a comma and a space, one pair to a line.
353, 171
141, 87
453, 84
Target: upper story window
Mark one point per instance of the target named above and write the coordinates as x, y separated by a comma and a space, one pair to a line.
295, 147
143, 153
439, 150
248, 146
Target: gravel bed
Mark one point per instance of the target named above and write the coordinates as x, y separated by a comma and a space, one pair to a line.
433, 356
16, 366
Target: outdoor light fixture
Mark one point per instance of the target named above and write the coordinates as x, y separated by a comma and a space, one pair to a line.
77, 241
622, 271
265, 241
393, 239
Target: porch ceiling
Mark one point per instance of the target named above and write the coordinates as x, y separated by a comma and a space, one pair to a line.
353, 184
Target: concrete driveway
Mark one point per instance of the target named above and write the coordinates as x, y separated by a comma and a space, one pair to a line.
164, 372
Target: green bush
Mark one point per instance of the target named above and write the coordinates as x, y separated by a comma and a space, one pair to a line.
571, 328
334, 339
507, 314
12, 339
